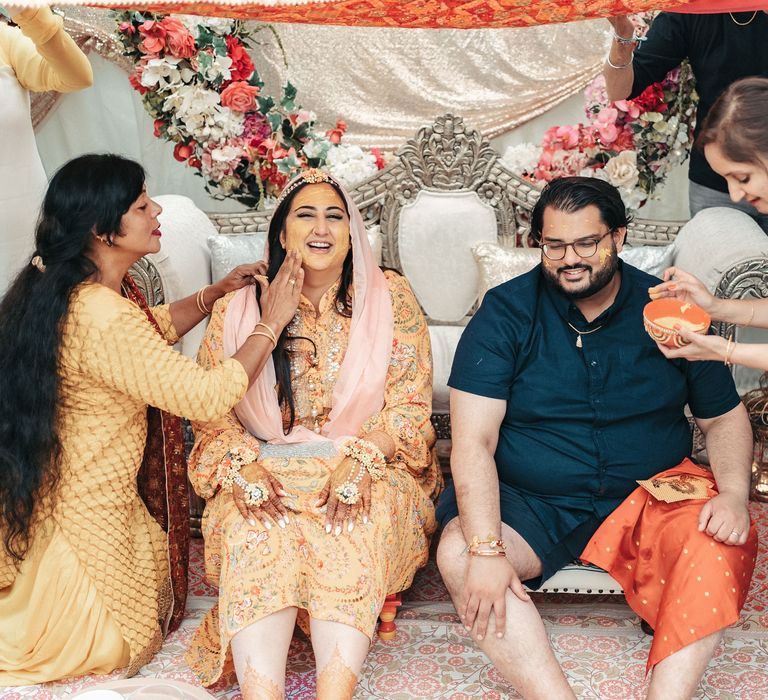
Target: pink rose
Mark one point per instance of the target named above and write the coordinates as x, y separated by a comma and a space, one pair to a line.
239, 96
631, 109
126, 28
154, 37
179, 40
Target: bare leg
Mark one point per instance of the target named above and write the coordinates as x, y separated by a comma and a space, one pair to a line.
523, 656
340, 652
260, 653
677, 677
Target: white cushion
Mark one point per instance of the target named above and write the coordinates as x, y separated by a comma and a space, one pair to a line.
444, 340
436, 235
498, 264
183, 262
653, 259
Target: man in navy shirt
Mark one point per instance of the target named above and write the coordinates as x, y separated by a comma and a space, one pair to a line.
560, 402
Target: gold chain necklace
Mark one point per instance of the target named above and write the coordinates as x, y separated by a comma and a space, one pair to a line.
743, 24
579, 333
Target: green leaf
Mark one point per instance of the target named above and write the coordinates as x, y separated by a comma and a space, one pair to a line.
274, 120
289, 95
265, 105
220, 45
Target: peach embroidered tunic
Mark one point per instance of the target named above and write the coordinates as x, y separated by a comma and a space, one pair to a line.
342, 579
93, 592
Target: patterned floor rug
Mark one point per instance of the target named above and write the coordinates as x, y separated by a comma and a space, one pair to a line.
598, 641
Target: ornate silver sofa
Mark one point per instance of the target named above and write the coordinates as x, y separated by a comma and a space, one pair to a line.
445, 191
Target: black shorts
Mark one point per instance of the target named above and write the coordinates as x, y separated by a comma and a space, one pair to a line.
517, 513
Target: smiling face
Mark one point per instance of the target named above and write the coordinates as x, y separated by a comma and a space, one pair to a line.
139, 232
746, 181
574, 276
317, 226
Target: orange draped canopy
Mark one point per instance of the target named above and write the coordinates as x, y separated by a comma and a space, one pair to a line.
430, 14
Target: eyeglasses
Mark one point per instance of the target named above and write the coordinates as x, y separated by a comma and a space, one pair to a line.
584, 248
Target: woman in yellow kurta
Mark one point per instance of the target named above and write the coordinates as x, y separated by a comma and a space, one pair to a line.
36, 56
84, 583
332, 446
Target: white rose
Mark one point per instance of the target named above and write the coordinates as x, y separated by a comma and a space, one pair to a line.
621, 170
522, 158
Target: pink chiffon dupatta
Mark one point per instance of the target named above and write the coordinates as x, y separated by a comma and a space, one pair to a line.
359, 389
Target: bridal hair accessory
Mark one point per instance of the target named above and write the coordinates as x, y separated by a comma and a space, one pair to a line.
229, 474
312, 176
369, 458
37, 261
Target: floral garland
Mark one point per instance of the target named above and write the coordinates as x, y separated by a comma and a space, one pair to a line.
633, 144
199, 84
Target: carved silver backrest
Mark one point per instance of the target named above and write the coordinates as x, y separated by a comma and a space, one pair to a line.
148, 280
445, 158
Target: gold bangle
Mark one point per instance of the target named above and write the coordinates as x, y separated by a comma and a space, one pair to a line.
489, 547
729, 348
268, 330
265, 335
200, 300
751, 315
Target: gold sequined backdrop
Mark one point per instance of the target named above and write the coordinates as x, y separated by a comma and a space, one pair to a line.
385, 83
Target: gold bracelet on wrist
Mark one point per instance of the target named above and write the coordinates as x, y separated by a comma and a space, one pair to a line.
269, 330
729, 348
489, 547
200, 300
269, 337
751, 315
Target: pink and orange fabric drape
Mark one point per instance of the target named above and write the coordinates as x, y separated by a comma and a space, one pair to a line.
424, 14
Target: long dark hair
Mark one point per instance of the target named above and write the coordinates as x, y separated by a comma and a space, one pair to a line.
736, 122
281, 355
87, 196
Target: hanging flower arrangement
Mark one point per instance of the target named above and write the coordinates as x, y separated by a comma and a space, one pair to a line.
198, 82
633, 144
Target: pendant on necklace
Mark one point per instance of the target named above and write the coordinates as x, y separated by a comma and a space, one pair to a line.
578, 341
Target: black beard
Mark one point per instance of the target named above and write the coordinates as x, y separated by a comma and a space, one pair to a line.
597, 280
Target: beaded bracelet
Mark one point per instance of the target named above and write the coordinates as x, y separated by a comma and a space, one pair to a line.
229, 474
370, 459
368, 455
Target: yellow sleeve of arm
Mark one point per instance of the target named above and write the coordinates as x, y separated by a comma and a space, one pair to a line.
123, 350
43, 56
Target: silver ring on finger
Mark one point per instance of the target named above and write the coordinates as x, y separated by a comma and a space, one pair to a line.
292, 281
735, 532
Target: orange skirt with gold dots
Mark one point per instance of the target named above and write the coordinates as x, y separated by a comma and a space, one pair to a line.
682, 582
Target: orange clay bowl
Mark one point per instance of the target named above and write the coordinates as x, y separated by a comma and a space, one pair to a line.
661, 315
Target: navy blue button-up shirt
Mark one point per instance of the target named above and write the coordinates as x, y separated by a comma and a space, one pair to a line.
582, 424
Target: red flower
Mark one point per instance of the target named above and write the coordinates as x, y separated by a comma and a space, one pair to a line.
180, 41
126, 28
624, 141
183, 151
242, 65
135, 80
376, 153
334, 135
651, 99
154, 37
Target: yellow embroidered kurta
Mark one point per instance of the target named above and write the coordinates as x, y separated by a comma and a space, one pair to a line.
342, 579
93, 591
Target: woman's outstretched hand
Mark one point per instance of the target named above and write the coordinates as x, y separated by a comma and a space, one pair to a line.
280, 297
681, 285
272, 509
700, 347
341, 516
241, 276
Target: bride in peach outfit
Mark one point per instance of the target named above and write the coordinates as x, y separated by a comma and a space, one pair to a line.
319, 485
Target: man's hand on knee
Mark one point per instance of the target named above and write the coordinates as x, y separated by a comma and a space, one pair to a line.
485, 590
726, 518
